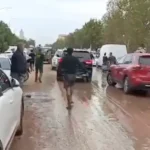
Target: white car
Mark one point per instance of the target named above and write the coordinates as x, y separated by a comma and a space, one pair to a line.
11, 110
5, 64
56, 58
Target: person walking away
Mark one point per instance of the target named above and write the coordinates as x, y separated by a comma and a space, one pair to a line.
112, 59
39, 65
69, 66
32, 60
105, 63
18, 64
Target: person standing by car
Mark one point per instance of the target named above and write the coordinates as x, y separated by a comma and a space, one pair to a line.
39, 65
111, 59
105, 63
32, 60
18, 64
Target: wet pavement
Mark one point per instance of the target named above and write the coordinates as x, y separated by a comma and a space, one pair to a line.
103, 118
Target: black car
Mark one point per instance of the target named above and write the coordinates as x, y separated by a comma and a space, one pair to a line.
84, 57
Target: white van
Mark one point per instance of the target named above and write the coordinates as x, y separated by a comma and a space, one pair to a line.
116, 49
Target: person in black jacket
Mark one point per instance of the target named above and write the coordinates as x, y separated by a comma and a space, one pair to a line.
18, 64
69, 66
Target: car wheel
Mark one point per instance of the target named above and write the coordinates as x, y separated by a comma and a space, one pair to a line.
126, 86
20, 128
89, 79
26, 77
1, 146
110, 80
85, 79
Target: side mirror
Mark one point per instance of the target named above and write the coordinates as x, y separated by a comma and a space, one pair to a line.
14, 83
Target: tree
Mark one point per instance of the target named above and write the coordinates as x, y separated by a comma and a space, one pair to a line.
125, 22
89, 35
7, 38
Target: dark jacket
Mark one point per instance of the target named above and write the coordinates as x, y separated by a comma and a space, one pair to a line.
105, 59
18, 63
112, 60
69, 64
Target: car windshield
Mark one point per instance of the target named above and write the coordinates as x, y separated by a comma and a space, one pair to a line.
81, 55
59, 53
144, 60
4, 63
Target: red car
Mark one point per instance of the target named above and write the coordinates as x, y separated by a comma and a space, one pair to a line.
132, 71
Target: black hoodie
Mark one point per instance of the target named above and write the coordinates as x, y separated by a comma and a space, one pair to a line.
18, 63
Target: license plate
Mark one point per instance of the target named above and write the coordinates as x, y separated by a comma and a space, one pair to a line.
78, 77
147, 85
84, 75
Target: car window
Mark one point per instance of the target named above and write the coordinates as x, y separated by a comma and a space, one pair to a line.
4, 63
144, 60
120, 60
128, 59
82, 55
59, 53
4, 81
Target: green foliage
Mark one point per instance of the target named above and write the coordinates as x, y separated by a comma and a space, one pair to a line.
89, 35
7, 38
125, 22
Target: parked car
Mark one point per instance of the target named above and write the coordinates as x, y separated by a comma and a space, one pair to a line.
116, 49
85, 58
47, 56
57, 56
5, 64
11, 110
132, 71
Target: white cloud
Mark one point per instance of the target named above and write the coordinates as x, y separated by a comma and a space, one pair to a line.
45, 19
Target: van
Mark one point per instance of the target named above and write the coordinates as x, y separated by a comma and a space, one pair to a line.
116, 49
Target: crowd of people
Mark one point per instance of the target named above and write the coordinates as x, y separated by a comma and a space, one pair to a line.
20, 66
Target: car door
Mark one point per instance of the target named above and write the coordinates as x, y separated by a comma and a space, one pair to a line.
122, 67
115, 68
7, 124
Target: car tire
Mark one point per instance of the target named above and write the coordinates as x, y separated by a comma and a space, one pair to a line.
1, 146
26, 77
126, 86
110, 80
89, 79
85, 79
20, 128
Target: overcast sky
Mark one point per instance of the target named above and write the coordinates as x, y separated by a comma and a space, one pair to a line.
44, 20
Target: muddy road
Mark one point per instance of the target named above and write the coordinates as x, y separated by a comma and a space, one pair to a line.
103, 118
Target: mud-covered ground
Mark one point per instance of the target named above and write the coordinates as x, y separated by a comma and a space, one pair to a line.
103, 118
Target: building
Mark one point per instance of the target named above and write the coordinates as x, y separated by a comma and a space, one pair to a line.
21, 35
62, 36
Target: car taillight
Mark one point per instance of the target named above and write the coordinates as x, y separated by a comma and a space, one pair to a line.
88, 62
60, 60
137, 67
